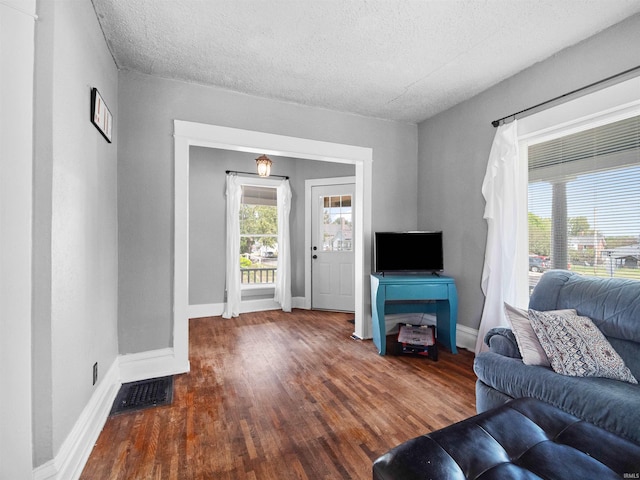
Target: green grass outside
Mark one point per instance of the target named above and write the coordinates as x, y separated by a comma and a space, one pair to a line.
633, 273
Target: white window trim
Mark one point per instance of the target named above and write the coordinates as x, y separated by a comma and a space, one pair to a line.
608, 105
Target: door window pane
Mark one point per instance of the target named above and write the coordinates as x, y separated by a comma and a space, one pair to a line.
337, 223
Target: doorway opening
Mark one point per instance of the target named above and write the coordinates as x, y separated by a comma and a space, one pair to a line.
187, 134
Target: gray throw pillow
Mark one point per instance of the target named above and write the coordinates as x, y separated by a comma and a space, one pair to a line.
576, 347
531, 351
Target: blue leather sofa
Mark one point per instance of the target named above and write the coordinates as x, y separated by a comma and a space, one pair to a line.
614, 306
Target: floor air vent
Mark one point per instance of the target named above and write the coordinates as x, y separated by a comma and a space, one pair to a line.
143, 394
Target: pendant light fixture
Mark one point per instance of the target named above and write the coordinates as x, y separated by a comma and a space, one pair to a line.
264, 165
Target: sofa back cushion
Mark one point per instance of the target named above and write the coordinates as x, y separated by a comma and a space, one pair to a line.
612, 303
629, 352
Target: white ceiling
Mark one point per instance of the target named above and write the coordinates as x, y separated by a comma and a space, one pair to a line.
400, 60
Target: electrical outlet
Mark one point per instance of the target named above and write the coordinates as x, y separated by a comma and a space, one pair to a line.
95, 373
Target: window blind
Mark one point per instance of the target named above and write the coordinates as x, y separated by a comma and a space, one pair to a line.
584, 200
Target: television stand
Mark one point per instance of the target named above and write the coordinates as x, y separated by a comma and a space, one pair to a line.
407, 293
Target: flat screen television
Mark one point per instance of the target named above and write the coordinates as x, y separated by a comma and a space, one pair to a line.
408, 252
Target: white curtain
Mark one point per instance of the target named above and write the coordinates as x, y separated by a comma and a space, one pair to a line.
234, 294
501, 212
283, 274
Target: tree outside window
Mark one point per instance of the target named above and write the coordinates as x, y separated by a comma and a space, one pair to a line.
258, 235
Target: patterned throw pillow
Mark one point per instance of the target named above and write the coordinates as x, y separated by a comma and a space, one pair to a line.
529, 346
576, 347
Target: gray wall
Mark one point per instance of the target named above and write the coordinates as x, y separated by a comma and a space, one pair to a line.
75, 251
147, 108
454, 149
207, 217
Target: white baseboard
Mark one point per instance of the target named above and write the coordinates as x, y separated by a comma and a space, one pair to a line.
76, 448
47, 471
466, 337
205, 310
299, 302
246, 306
150, 364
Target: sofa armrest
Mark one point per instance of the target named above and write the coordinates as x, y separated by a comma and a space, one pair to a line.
502, 341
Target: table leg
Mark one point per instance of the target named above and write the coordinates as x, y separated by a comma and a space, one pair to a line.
446, 312
377, 318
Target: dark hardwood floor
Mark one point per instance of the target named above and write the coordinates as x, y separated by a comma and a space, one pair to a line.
281, 396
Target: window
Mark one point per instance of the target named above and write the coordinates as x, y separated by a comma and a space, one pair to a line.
258, 235
337, 225
584, 202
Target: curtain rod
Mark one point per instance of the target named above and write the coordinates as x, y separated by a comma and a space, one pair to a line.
496, 123
251, 173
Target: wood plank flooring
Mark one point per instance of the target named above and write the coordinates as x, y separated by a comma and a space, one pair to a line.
282, 396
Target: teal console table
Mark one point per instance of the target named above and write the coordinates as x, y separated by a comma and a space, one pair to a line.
406, 293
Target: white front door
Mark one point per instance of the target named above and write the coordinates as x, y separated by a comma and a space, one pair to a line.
332, 244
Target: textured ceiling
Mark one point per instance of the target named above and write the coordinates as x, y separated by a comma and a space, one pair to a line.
401, 60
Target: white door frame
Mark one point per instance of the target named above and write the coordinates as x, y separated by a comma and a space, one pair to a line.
187, 134
308, 185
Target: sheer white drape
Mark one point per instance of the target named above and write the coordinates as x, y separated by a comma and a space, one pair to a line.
282, 293
234, 294
501, 212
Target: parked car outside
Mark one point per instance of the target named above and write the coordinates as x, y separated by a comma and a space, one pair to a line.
538, 264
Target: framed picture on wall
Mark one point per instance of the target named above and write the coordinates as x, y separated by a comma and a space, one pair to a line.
100, 115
